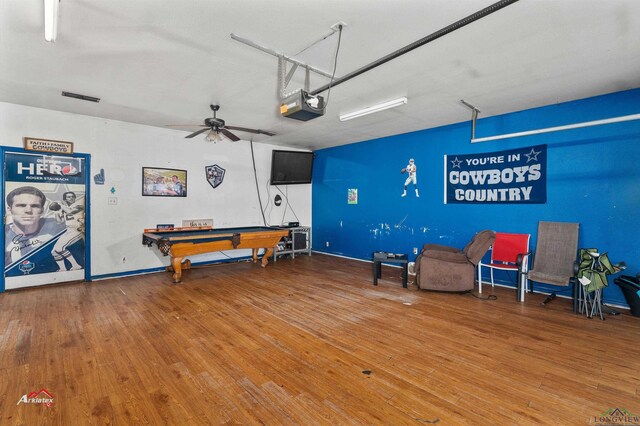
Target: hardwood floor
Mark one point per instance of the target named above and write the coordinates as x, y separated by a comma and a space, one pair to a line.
292, 344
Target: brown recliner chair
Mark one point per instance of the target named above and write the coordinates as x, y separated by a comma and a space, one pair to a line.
446, 268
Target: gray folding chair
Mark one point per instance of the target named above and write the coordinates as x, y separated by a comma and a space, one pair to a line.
554, 261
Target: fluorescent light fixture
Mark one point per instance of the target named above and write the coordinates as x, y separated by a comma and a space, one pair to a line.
51, 20
375, 108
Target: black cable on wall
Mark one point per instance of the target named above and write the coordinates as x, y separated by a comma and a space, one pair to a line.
255, 175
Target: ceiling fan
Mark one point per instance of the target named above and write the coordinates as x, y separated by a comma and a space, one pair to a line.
215, 126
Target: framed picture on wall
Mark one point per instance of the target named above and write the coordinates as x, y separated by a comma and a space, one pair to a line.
158, 182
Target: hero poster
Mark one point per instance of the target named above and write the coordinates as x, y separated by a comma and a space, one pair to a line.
45, 205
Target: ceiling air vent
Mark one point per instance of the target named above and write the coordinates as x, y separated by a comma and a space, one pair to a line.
81, 97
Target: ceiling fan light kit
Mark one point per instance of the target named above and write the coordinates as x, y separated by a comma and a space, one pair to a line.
374, 108
213, 136
51, 20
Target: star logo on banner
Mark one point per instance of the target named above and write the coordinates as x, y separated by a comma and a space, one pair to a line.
455, 163
533, 155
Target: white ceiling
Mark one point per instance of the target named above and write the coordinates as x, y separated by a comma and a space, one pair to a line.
159, 62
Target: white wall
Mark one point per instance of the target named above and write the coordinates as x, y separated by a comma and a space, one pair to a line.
122, 149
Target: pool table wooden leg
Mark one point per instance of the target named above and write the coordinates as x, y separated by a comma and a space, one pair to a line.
177, 265
268, 252
254, 255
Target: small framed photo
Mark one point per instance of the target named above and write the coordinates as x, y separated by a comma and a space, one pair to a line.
352, 196
158, 182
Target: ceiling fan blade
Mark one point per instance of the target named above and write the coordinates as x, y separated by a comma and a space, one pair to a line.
245, 129
184, 125
206, 129
230, 135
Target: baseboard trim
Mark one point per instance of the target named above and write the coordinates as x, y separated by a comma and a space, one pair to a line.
164, 268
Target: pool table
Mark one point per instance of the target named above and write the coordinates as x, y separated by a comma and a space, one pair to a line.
181, 243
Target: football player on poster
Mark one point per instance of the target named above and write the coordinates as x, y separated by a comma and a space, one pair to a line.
412, 178
70, 212
27, 227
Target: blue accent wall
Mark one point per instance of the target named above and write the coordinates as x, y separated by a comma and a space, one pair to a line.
593, 178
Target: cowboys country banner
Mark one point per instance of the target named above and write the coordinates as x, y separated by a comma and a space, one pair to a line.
516, 176
39, 213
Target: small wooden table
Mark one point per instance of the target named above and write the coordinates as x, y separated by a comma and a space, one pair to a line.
383, 256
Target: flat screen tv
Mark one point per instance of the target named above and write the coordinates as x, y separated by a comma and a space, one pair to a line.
291, 167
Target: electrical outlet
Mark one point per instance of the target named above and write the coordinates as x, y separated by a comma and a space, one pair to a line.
415, 250
327, 244
112, 201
